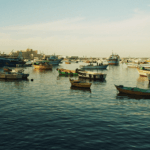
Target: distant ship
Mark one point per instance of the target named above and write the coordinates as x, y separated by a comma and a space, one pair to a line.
11, 62
52, 60
113, 59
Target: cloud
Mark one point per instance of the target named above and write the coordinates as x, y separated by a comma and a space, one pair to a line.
74, 35
65, 24
137, 25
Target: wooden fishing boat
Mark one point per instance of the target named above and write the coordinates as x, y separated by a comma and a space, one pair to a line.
66, 72
88, 61
43, 66
8, 75
67, 62
80, 84
143, 71
91, 75
133, 90
13, 74
91, 66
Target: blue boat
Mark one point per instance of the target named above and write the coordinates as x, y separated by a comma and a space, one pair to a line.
11, 62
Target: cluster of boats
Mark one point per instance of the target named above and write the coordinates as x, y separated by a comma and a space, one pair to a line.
81, 74
47, 64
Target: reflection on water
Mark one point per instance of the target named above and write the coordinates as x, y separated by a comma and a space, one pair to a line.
48, 114
141, 79
92, 81
61, 77
124, 96
81, 89
9, 83
41, 71
142, 82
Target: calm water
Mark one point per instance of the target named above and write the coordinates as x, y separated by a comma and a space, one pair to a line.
47, 114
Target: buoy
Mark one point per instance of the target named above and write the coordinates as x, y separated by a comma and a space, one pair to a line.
31, 79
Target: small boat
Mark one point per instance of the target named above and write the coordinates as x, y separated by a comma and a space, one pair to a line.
66, 72
13, 74
80, 84
91, 66
88, 61
43, 66
131, 65
91, 75
133, 90
143, 71
67, 62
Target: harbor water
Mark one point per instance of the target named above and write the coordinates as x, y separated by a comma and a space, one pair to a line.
47, 114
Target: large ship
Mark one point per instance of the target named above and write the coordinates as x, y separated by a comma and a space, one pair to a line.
113, 59
11, 62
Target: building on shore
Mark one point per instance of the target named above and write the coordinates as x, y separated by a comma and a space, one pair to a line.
28, 54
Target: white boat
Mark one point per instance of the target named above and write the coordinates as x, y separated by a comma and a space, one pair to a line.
143, 71
131, 65
91, 66
91, 75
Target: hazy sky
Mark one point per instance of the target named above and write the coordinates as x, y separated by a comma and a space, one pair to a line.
76, 27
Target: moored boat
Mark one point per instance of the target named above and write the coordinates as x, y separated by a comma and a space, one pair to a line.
67, 62
43, 66
91, 66
133, 90
113, 59
66, 72
11, 62
143, 71
13, 74
80, 84
91, 75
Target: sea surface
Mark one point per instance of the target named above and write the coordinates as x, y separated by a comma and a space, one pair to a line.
47, 114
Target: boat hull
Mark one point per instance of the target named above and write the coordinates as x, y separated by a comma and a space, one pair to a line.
67, 72
113, 61
10, 62
94, 67
91, 75
143, 72
80, 85
10, 76
131, 91
67, 62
